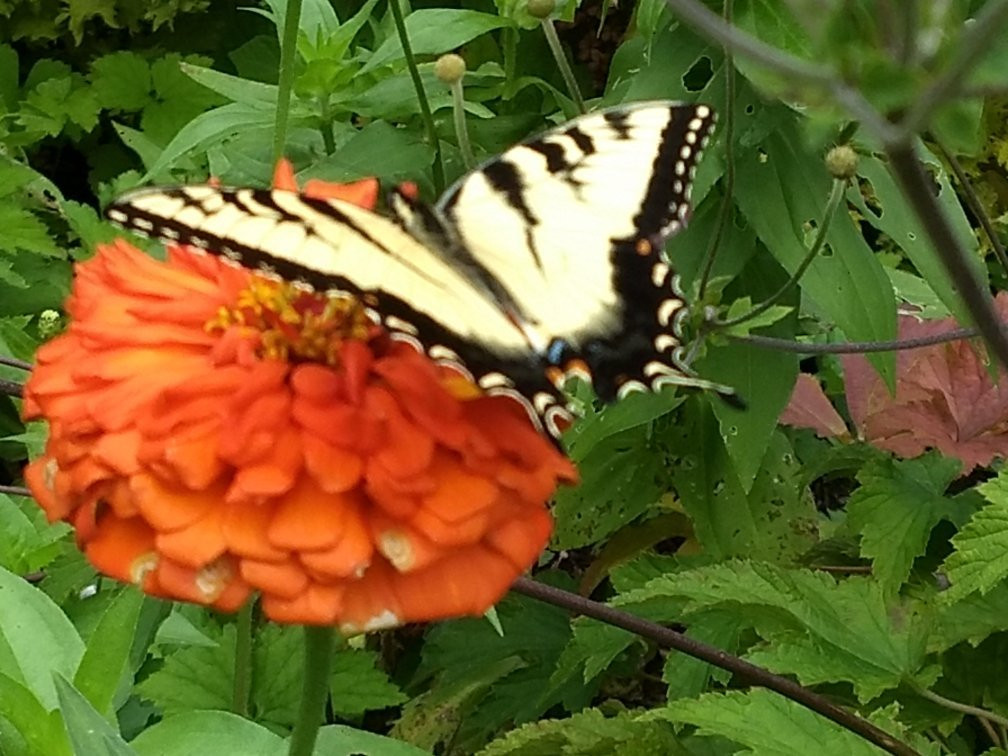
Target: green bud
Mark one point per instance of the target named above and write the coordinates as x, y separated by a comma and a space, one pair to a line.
540, 8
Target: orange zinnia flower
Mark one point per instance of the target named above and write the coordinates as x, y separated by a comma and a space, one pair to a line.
214, 433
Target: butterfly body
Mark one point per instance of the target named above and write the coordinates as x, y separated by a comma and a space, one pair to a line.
542, 262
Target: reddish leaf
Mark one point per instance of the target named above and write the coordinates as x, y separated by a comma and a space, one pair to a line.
808, 407
944, 399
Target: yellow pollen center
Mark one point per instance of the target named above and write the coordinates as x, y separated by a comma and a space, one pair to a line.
293, 324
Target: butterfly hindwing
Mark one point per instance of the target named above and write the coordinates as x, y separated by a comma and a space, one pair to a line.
584, 212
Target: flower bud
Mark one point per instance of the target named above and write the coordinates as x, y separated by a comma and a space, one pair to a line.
450, 68
540, 8
842, 162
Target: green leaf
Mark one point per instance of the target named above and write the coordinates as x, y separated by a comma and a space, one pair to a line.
766, 723
212, 732
209, 128
245, 91
743, 305
357, 686
36, 639
340, 740
589, 733
379, 149
896, 508
971, 619
781, 189
42, 731
107, 658
433, 31
121, 81
90, 733
816, 628
277, 672
891, 214
24, 232
688, 677
194, 678
980, 559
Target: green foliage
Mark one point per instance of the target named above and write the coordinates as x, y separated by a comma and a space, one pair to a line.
878, 582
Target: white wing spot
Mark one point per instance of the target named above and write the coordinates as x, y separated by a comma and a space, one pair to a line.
677, 186
680, 168
441, 352
630, 387
491, 381
664, 342
398, 324
685, 152
659, 273
703, 111
667, 309
690, 137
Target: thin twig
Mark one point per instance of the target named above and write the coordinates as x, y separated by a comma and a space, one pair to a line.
836, 195
973, 45
975, 206
11, 388
561, 60
963, 708
728, 188
690, 646
15, 490
425, 111
906, 168
16, 363
855, 347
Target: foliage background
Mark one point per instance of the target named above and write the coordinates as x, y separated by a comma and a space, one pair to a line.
879, 581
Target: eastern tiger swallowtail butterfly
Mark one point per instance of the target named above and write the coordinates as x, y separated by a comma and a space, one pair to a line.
544, 261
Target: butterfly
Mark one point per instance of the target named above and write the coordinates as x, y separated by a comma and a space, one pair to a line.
544, 262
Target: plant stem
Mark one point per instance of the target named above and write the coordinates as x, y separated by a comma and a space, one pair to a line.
963, 708
510, 60
285, 82
855, 347
328, 141
314, 689
425, 111
461, 131
916, 186
561, 60
10, 388
667, 638
836, 196
975, 206
15, 490
16, 363
727, 199
243, 660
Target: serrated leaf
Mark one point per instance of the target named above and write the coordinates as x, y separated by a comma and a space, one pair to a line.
846, 628
896, 508
194, 678
980, 559
23, 231
121, 81
686, 676
766, 723
356, 684
218, 732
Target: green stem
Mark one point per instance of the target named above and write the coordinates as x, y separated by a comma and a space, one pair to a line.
461, 132
728, 199
328, 140
425, 111
285, 84
314, 689
510, 60
243, 661
561, 60
836, 196
962, 708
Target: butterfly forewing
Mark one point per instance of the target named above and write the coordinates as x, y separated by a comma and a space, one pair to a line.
557, 241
